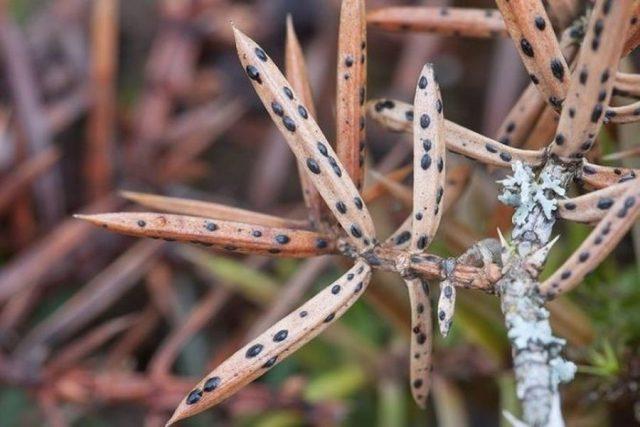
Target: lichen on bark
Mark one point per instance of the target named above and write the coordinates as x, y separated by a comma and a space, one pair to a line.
538, 364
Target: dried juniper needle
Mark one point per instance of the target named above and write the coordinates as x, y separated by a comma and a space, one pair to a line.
629, 113
516, 128
592, 80
446, 306
398, 116
421, 339
562, 12
307, 142
464, 22
521, 119
607, 234
592, 207
376, 190
627, 85
428, 188
544, 129
536, 42
275, 344
296, 72
210, 210
394, 188
604, 176
351, 87
429, 156
218, 234
633, 35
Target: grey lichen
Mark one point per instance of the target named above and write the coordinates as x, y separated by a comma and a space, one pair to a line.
523, 191
538, 364
535, 200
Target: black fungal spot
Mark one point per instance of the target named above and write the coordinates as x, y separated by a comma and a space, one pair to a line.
420, 308
355, 231
422, 242
583, 76
194, 396
403, 237
256, 233
418, 216
409, 115
425, 162
629, 202
313, 166
303, 314
210, 226
422, 83
323, 149
448, 291
358, 287
534, 79
289, 123
303, 112
505, 156
211, 384
597, 28
288, 92
417, 383
269, 363
540, 23
570, 206
602, 95
277, 108
141, 223
440, 164
565, 275
363, 94
335, 290
282, 239
260, 54
348, 61
254, 350
254, 74
439, 106
321, 243
426, 144
441, 315
559, 139
329, 318
583, 256
341, 207
588, 170
358, 202
281, 335
491, 148
421, 338
605, 203
334, 166
557, 103
596, 113
557, 69
425, 121
526, 47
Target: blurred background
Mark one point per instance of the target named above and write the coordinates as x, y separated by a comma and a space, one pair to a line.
97, 329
